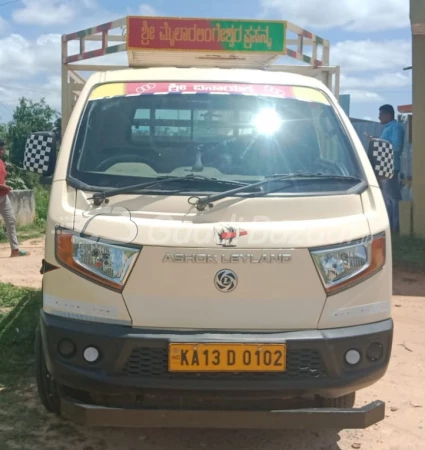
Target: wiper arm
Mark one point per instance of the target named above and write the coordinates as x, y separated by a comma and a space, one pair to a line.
99, 197
202, 203
312, 176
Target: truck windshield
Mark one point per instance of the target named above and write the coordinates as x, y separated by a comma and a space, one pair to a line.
135, 132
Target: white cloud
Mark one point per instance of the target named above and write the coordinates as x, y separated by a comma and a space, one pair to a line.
21, 58
374, 87
367, 55
52, 92
147, 10
379, 81
56, 12
31, 67
45, 12
49, 90
359, 15
372, 70
4, 26
361, 96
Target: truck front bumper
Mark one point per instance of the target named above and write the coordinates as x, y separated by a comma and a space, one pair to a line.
135, 362
293, 419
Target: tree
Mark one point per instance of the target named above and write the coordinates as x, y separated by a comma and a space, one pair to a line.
3, 130
57, 129
28, 117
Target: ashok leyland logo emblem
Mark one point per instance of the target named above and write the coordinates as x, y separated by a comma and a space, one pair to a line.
228, 236
226, 280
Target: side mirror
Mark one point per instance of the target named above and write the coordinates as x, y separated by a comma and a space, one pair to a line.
40, 153
381, 156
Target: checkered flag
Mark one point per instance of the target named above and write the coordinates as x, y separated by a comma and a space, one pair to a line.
40, 153
381, 156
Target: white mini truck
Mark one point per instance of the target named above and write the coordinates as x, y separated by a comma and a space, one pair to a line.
218, 250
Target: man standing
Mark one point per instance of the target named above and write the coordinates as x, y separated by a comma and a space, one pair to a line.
394, 133
6, 210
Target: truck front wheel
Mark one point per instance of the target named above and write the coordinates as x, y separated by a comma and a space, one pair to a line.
46, 385
346, 401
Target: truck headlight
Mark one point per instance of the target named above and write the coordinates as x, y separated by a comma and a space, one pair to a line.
340, 267
104, 262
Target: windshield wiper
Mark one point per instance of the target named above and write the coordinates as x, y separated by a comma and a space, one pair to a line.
202, 203
312, 176
99, 197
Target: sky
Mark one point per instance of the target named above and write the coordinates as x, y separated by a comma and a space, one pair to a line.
369, 39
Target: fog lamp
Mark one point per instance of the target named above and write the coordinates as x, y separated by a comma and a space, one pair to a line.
91, 354
352, 357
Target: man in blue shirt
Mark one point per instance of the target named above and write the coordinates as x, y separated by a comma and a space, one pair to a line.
393, 132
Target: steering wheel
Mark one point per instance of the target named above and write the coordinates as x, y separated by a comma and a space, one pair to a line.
124, 158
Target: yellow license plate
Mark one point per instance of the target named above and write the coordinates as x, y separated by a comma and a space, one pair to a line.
227, 358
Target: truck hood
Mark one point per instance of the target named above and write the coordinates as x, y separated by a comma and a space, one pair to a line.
263, 244
293, 222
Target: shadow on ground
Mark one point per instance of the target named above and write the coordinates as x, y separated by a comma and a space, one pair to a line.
25, 425
408, 283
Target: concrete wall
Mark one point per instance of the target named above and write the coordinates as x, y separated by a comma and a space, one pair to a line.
23, 203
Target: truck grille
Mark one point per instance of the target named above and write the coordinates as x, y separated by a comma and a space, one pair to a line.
153, 363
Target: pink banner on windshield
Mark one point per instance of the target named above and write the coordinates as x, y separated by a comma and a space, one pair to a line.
265, 90
209, 88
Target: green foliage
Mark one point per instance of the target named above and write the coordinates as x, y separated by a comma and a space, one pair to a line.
38, 228
42, 195
18, 178
19, 310
3, 130
28, 117
15, 176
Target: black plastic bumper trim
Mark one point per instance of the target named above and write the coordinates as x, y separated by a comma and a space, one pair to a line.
314, 418
117, 344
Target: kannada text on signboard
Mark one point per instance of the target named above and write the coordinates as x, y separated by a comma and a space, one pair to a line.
211, 35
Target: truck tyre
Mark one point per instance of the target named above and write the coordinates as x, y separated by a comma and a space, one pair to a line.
346, 401
46, 385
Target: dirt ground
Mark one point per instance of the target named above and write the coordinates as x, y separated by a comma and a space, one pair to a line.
401, 389
22, 271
